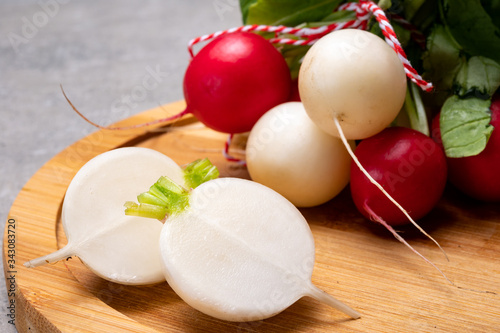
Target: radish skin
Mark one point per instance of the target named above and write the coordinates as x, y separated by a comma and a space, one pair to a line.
234, 80
410, 168
355, 77
287, 152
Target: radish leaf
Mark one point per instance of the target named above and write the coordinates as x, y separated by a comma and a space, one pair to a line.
442, 60
465, 127
479, 77
472, 27
286, 12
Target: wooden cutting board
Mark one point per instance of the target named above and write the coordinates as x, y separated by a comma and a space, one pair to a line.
357, 261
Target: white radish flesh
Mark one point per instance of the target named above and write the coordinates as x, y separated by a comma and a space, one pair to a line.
287, 152
353, 76
119, 248
240, 252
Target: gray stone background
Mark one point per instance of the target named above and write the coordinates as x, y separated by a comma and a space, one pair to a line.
99, 51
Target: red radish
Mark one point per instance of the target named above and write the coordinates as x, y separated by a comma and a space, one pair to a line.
295, 95
234, 80
408, 176
231, 82
477, 176
410, 166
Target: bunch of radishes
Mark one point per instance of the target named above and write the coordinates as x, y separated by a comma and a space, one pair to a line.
352, 86
349, 80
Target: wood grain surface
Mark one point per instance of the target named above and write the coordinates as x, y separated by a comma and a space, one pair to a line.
356, 260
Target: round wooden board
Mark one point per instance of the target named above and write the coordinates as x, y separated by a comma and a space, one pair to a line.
356, 260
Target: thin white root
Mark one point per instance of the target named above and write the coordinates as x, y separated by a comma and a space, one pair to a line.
402, 240
53, 257
323, 297
374, 182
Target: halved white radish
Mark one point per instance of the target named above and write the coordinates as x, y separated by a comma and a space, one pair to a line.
231, 248
239, 251
119, 248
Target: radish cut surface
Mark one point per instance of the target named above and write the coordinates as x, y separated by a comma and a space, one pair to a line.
240, 252
119, 248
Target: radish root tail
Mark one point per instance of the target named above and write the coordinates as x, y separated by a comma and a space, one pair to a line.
157, 121
378, 219
323, 297
374, 182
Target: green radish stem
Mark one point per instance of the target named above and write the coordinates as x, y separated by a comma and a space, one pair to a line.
416, 110
199, 172
166, 198
374, 182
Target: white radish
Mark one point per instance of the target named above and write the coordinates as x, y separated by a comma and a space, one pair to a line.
119, 248
239, 251
355, 77
353, 85
287, 152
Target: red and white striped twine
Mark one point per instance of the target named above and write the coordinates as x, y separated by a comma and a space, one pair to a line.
415, 34
392, 40
226, 154
308, 36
